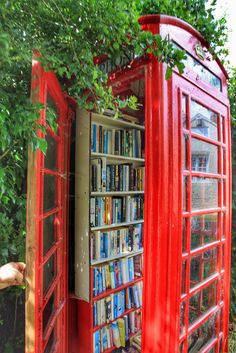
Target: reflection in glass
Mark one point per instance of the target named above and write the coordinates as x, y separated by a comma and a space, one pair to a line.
185, 194
204, 230
50, 160
49, 192
50, 343
204, 193
200, 337
185, 152
48, 233
48, 310
202, 301
49, 273
203, 266
52, 112
182, 317
184, 110
204, 156
204, 121
183, 279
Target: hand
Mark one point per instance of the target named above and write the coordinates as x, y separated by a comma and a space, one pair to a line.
12, 274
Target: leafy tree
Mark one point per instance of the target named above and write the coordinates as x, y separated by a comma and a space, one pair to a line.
70, 34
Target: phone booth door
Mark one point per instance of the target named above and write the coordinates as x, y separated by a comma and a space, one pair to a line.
46, 243
204, 300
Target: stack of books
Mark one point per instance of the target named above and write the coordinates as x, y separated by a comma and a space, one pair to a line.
112, 210
122, 142
117, 333
115, 177
105, 244
116, 273
114, 305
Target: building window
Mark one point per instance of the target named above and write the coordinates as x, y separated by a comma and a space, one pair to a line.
199, 162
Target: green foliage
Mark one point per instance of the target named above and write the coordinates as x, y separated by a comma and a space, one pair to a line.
70, 34
198, 14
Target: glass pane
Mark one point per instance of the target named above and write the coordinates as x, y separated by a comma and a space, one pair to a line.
223, 128
224, 192
221, 320
52, 111
223, 225
222, 289
50, 160
224, 161
49, 192
204, 230
182, 318
203, 266
48, 310
50, 343
223, 257
184, 111
184, 270
184, 235
204, 156
204, 193
49, 273
185, 152
48, 233
185, 194
204, 121
202, 301
203, 335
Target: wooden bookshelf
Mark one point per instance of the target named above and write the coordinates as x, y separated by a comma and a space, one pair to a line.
84, 263
115, 157
117, 122
117, 225
116, 193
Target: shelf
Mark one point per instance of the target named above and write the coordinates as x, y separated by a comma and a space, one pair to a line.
117, 157
111, 291
95, 328
116, 193
116, 257
111, 121
116, 225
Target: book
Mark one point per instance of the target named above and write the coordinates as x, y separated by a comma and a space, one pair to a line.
116, 334
121, 326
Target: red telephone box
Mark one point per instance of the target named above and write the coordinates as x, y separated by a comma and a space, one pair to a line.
185, 225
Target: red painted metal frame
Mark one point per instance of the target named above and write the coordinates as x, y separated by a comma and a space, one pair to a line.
44, 84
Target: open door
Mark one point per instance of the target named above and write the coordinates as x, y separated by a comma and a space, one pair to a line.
46, 243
